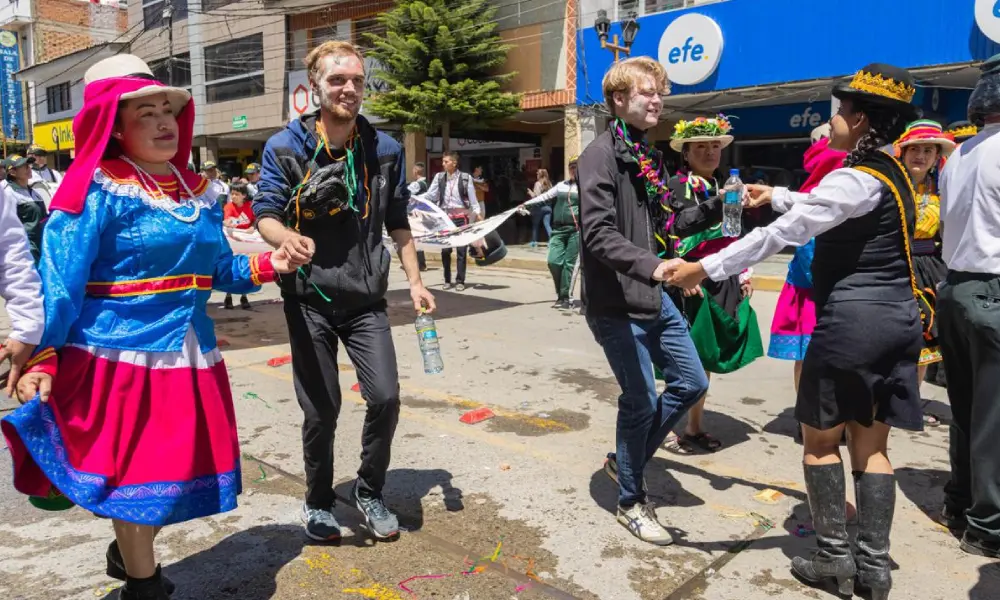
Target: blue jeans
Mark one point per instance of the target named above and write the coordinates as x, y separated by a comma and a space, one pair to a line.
645, 418
541, 216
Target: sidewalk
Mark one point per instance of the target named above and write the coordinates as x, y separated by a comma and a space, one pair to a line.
769, 275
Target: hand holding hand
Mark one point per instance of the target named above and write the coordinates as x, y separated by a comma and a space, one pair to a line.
665, 268
298, 250
34, 383
280, 262
423, 300
18, 353
758, 195
688, 275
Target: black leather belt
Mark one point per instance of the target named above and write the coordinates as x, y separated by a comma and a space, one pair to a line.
923, 247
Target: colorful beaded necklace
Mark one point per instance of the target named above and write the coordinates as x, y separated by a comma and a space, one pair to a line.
654, 176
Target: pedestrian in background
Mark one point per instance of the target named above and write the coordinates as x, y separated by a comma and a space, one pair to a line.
969, 322
455, 192
541, 214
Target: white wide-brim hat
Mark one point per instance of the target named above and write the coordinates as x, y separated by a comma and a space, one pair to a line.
947, 146
129, 65
678, 144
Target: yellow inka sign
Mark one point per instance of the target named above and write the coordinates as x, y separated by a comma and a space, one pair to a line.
57, 135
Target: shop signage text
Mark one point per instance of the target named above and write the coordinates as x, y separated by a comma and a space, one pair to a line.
55, 136
988, 18
806, 119
240, 122
11, 95
781, 119
691, 48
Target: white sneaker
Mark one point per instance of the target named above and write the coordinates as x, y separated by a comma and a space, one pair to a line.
641, 520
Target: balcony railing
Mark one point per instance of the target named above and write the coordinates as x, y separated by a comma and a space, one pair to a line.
15, 12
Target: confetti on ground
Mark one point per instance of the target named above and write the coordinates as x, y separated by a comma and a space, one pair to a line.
769, 496
477, 416
374, 592
279, 360
402, 584
356, 388
803, 531
504, 467
222, 342
253, 396
263, 475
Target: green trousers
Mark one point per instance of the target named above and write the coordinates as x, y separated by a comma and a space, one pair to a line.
564, 248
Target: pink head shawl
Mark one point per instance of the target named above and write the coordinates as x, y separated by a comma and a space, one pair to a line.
92, 128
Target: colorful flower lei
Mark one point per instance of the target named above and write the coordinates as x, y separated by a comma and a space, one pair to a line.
716, 126
655, 178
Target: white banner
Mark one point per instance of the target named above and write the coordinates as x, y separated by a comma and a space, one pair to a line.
430, 226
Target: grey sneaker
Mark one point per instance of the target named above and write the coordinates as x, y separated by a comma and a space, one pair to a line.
381, 522
641, 520
320, 524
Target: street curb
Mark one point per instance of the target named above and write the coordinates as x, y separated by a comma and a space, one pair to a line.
763, 283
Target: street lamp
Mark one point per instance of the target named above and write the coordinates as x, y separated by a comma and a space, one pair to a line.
630, 27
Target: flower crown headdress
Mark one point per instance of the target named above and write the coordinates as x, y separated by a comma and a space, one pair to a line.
716, 126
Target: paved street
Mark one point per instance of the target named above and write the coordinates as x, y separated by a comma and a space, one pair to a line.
514, 507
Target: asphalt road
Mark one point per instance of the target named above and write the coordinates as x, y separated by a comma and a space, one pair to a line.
516, 506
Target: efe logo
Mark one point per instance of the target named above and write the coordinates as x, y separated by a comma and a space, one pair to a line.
691, 48
807, 119
696, 52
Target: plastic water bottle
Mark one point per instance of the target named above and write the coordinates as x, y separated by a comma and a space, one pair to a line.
732, 205
430, 349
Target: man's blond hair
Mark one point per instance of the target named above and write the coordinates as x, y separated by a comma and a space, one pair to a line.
331, 48
625, 75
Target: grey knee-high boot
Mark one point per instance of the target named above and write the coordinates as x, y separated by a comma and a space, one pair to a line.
876, 495
833, 559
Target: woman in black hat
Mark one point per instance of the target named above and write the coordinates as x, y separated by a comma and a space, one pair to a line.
860, 371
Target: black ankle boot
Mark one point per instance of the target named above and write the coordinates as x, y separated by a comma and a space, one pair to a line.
876, 496
150, 588
832, 560
116, 568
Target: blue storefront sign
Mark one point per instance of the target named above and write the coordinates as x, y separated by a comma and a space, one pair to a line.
789, 120
745, 43
11, 95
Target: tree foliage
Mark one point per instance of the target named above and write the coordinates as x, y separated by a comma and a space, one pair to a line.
441, 61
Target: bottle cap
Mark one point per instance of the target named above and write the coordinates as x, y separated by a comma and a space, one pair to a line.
734, 172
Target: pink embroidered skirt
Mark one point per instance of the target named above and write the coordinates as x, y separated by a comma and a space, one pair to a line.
145, 437
793, 323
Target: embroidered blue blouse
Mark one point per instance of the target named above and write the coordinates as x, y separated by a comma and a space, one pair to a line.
136, 268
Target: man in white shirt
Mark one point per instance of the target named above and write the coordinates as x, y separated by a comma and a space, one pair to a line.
21, 288
455, 192
211, 172
968, 313
40, 170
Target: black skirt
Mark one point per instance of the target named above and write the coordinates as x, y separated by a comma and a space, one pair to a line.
929, 270
861, 365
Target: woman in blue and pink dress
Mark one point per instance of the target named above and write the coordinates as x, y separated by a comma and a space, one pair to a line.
128, 410
795, 314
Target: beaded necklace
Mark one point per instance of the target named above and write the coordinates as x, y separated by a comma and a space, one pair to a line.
653, 175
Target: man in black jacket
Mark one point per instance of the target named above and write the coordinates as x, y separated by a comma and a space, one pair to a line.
330, 182
628, 310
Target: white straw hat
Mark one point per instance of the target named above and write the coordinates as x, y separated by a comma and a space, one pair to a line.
129, 65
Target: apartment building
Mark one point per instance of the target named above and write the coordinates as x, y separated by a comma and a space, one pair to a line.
34, 33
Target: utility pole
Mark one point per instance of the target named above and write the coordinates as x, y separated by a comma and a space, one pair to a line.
168, 16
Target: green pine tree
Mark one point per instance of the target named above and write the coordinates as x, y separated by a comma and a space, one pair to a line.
440, 63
